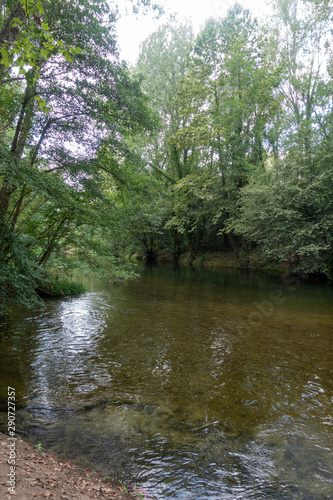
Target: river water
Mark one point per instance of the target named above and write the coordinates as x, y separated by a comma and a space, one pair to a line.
191, 384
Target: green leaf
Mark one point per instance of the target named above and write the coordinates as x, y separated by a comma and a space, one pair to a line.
5, 61
44, 53
67, 56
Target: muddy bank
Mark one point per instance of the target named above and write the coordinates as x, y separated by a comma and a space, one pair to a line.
29, 473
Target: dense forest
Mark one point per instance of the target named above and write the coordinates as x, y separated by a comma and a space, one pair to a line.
219, 142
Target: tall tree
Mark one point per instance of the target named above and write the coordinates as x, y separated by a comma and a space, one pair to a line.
287, 211
231, 96
162, 66
303, 36
55, 125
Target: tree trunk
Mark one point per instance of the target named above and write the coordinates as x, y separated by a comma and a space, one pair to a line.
9, 33
17, 208
20, 138
49, 249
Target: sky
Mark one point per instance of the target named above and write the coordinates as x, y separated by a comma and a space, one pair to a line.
133, 30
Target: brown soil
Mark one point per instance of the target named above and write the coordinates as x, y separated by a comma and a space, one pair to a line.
41, 475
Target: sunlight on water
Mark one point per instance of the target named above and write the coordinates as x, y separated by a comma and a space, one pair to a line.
192, 384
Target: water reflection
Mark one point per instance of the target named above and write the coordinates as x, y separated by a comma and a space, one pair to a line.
157, 381
64, 351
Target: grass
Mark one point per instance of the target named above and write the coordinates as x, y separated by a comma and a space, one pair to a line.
54, 287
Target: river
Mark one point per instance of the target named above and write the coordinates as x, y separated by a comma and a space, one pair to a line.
192, 384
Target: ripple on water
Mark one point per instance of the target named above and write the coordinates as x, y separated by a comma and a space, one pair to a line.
158, 382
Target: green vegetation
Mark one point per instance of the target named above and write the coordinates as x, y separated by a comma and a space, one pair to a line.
65, 104
242, 159
59, 288
216, 143
131, 490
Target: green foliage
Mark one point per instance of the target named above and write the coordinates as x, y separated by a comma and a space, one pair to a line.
27, 41
214, 143
287, 211
53, 287
53, 124
215, 97
18, 271
290, 221
243, 152
198, 203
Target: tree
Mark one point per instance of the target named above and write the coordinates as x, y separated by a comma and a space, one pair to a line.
162, 68
287, 210
231, 98
51, 190
303, 35
26, 38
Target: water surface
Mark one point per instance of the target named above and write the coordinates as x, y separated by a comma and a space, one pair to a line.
191, 384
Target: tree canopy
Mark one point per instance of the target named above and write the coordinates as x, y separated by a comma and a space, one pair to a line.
55, 119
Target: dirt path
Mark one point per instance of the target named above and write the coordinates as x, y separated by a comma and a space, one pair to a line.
26, 474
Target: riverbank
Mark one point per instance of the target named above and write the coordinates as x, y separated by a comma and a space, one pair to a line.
228, 260
240, 260
29, 473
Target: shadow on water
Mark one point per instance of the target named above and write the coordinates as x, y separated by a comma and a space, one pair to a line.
193, 384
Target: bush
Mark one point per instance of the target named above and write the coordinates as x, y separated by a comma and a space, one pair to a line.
53, 287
